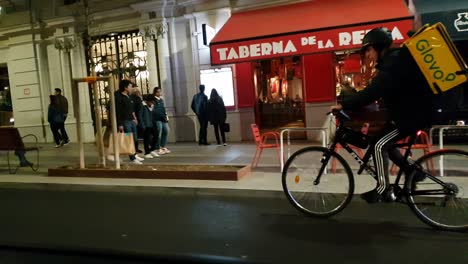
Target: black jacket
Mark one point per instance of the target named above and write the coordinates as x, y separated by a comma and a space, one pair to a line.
402, 86
137, 104
159, 110
124, 108
199, 104
62, 103
145, 117
55, 115
216, 111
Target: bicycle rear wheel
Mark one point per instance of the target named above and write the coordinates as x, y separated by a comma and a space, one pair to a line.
440, 197
334, 191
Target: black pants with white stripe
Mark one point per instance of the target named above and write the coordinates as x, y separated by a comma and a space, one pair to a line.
383, 150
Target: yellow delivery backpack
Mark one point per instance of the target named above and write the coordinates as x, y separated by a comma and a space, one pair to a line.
437, 57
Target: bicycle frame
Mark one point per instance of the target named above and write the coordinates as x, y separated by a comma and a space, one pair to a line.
363, 162
417, 189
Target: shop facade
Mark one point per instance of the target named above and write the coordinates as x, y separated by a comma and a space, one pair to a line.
152, 43
294, 69
285, 72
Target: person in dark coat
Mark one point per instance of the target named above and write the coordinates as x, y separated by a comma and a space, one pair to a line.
125, 113
406, 93
217, 115
161, 122
137, 100
199, 104
62, 103
56, 119
150, 135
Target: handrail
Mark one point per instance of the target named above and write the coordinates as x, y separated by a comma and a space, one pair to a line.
441, 140
322, 130
441, 132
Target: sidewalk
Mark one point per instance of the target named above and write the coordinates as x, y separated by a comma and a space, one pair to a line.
266, 176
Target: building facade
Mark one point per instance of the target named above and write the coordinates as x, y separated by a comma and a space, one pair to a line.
46, 44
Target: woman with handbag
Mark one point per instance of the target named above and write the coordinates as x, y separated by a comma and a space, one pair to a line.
217, 116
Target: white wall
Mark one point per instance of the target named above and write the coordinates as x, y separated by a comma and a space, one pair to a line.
25, 87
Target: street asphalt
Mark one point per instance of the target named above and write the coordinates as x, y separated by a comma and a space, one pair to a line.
251, 226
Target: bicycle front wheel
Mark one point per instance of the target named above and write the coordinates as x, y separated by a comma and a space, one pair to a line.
440, 196
322, 198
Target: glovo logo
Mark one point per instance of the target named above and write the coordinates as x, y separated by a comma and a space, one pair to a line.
426, 52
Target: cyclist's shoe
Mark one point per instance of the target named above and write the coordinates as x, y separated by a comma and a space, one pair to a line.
371, 196
375, 197
389, 196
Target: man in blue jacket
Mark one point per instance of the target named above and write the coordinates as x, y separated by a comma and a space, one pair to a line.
408, 98
199, 104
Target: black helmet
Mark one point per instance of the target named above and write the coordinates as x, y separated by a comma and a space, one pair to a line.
378, 38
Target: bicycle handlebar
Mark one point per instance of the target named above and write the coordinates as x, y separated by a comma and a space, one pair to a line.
340, 114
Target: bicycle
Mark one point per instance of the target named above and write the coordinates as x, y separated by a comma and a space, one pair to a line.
436, 195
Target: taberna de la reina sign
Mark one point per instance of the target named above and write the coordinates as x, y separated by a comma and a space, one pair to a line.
301, 43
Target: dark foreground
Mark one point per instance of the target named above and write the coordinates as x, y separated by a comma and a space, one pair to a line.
83, 224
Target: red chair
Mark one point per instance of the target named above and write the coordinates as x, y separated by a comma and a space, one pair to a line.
360, 152
261, 140
422, 142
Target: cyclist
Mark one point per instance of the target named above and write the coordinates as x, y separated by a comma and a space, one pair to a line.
405, 92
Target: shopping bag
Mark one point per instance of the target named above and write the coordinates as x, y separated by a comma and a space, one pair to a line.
226, 127
125, 143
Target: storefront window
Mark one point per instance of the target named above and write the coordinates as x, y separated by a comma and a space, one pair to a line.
279, 95
353, 73
221, 80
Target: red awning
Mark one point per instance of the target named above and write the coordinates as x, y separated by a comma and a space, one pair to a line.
308, 27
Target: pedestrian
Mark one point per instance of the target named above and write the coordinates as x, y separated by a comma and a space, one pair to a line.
62, 103
161, 120
125, 112
21, 154
199, 104
217, 115
108, 127
150, 135
403, 88
137, 99
56, 120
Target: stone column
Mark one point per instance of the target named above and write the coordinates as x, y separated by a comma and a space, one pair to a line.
159, 65
25, 85
70, 58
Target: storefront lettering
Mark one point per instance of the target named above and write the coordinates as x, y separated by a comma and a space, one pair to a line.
255, 50
329, 44
425, 49
312, 40
300, 43
355, 37
266, 48
396, 34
